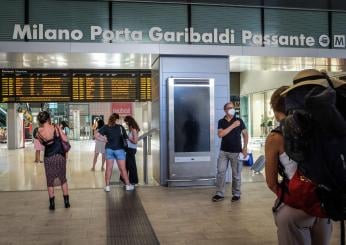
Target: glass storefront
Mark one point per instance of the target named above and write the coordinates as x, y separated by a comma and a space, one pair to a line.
257, 113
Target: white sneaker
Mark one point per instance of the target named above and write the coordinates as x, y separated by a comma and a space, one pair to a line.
107, 188
130, 187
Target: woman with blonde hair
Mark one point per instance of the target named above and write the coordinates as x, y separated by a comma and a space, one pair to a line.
114, 136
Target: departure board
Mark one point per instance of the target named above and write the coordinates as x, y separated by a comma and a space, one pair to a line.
35, 86
74, 86
105, 87
7, 86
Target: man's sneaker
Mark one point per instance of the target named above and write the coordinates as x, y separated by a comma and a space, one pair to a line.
107, 188
235, 198
217, 198
130, 187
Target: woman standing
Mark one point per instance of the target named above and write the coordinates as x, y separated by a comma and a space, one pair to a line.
115, 149
99, 146
66, 130
132, 149
295, 226
54, 161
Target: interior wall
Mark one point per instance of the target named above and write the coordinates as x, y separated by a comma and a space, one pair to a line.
235, 83
258, 81
198, 67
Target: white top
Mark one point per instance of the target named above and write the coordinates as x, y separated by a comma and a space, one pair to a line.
130, 144
289, 165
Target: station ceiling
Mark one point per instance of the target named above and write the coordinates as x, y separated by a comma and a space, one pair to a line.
144, 61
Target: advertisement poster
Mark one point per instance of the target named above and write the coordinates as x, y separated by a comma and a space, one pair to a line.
122, 108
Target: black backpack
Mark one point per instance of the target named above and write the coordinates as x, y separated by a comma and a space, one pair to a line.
315, 137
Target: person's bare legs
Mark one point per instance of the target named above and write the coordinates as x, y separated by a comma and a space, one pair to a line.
64, 188
109, 169
50, 191
94, 161
123, 171
37, 156
103, 161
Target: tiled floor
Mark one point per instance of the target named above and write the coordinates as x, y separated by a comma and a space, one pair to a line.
178, 215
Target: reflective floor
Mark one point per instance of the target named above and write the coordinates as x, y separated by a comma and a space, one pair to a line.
19, 172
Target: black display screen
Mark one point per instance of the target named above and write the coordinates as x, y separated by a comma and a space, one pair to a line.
191, 118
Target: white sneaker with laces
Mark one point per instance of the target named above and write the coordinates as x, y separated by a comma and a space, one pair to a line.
107, 188
130, 187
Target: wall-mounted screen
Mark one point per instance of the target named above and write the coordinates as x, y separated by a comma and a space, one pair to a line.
191, 118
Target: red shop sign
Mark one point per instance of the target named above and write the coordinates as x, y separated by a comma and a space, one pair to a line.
122, 108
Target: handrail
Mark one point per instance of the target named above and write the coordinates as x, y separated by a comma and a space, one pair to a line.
146, 149
149, 133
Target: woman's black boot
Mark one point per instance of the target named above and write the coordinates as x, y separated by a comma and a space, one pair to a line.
67, 201
51, 203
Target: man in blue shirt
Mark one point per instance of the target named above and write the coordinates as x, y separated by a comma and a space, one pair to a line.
230, 130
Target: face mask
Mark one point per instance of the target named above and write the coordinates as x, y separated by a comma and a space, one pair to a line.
231, 112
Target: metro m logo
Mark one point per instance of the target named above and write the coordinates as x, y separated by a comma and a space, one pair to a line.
339, 41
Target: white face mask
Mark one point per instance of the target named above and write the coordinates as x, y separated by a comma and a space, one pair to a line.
231, 112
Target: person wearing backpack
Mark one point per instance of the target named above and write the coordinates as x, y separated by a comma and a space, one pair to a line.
297, 212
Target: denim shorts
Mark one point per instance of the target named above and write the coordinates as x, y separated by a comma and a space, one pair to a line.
115, 154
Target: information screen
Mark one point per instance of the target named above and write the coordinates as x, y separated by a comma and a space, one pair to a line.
35, 86
191, 119
74, 86
104, 87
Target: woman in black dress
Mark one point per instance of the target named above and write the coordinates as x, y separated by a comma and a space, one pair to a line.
54, 160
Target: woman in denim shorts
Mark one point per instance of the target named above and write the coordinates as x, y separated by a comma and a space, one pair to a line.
112, 134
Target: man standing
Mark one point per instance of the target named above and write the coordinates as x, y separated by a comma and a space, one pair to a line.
230, 130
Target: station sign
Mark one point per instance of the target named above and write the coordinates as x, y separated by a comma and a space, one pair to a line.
156, 34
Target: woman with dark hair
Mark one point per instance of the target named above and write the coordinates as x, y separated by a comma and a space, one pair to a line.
37, 146
54, 161
294, 225
66, 130
64, 126
99, 146
115, 149
132, 149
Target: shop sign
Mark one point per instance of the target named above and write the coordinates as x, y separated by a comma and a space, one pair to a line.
122, 108
156, 34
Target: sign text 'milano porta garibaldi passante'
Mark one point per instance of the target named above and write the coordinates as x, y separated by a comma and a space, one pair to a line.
157, 34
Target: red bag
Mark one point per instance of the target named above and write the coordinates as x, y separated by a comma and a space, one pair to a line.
302, 195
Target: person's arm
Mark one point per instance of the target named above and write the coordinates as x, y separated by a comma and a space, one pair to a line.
271, 161
245, 141
223, 132
100, 134
100, 137
62, 134
134, 138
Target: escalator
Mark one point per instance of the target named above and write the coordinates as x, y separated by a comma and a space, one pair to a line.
3, 133
3, 115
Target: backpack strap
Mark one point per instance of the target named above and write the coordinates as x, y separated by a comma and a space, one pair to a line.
281, 170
